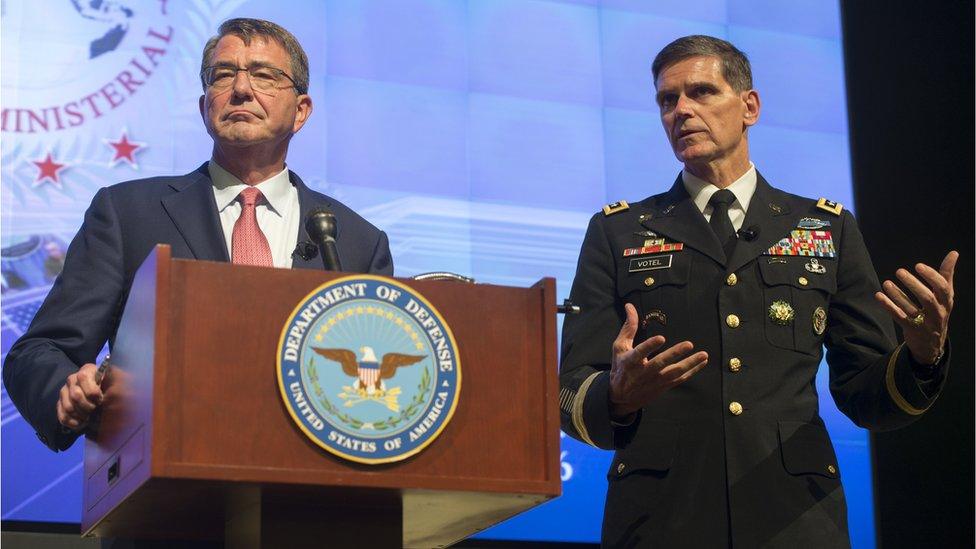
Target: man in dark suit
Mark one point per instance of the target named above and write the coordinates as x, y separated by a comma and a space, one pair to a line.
242, 206
728, 289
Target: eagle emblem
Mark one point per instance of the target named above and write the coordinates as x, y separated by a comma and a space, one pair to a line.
370, 374
368, 369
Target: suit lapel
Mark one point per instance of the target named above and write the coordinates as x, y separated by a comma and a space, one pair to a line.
770, 214
193, 210
307, 202
676, 216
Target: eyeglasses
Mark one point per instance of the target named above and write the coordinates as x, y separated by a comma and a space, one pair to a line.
267, 80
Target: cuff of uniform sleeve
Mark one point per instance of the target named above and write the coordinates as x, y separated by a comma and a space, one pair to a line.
928, 371
910, 388
623, 433
930, 377
591, 411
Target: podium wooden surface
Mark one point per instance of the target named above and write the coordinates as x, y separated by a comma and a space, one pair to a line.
194, 441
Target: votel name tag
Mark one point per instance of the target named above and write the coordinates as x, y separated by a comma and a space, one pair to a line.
650, 263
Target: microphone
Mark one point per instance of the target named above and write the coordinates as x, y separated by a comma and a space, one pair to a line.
321, 227
749, 234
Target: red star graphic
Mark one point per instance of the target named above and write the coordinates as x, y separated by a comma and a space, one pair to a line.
125, 150
49, 169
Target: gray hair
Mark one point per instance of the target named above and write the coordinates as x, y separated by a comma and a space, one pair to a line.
247, 29
735, 65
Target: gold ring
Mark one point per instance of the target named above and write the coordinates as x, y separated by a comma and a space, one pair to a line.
917, 320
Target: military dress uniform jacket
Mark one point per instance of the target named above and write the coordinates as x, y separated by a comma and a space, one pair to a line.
738, 455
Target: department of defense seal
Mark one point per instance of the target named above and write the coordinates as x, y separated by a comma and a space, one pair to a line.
368, 369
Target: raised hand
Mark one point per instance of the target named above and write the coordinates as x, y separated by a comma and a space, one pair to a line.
924, 319
636, 379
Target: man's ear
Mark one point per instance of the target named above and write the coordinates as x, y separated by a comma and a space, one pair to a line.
753, 105
203, 116
302, 112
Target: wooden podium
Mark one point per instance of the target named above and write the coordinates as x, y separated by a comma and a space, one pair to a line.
194, 441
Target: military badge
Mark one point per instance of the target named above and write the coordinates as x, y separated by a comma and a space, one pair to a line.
830, 206
368, 369
812, 223
819, 320
616, 207
656, 315
815, 267
804, 242
646, 234
781, 313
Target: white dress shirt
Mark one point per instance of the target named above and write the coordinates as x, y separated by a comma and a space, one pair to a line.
743, 188
278, 214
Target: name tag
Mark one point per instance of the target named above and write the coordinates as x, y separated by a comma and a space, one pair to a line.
650, 263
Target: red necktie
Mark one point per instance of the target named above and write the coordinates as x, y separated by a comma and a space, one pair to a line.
250, 247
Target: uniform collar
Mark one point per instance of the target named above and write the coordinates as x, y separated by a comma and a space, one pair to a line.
227, 186
701, 191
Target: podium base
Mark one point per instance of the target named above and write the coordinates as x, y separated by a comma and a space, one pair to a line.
258, 519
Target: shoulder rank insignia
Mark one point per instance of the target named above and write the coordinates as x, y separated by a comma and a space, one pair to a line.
828, 205
616, 207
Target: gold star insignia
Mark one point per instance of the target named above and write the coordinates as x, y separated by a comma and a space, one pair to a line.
318, 337
332, 321
399, 321
359, 310
420, 346
389, 315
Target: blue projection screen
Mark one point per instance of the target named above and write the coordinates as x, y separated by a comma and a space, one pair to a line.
480, 134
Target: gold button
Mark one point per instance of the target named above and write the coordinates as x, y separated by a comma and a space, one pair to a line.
735, 408
731, 280
735, 364
831, 469
649, 281
620, 468
803, 281
732, 321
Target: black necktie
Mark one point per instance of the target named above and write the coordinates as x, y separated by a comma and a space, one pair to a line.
720, 222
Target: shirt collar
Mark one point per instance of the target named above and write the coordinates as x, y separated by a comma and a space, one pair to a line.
701, 191
227, 186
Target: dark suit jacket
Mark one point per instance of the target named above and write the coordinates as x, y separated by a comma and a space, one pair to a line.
121, 227
690, 472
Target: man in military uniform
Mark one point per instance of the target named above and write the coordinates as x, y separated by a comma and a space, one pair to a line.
728, 289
